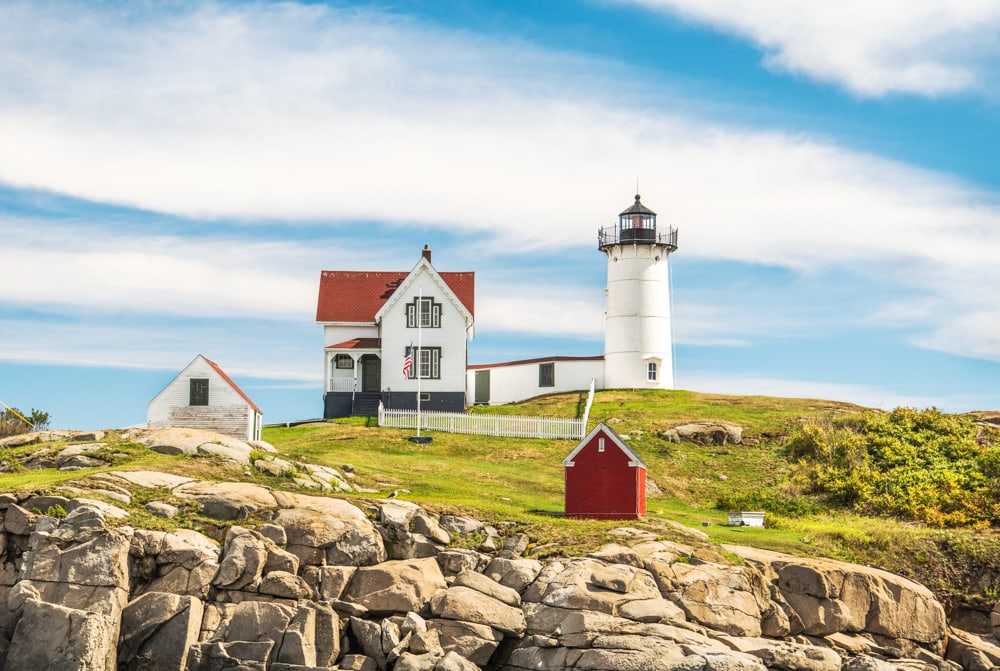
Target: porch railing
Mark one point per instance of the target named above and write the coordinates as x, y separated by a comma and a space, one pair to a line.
342, 384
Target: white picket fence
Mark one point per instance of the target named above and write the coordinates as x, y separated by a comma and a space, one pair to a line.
507, 426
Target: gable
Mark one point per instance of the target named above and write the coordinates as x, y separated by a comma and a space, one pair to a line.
214, 368
424, 268
358, 296
615, 440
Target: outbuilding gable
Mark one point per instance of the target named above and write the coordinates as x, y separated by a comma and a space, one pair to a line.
616, 441
203, 396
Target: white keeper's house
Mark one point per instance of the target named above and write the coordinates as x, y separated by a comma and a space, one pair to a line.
370, 320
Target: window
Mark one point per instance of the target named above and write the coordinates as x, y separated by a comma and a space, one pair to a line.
345, 361
199, 392
651, 371
547, 374
428, 310
426, 362
600, 444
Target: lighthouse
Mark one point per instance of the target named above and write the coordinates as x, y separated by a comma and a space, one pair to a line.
638, 352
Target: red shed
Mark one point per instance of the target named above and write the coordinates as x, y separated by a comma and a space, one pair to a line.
605, 479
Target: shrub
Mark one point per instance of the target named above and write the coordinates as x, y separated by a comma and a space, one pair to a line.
922, 465
14, 422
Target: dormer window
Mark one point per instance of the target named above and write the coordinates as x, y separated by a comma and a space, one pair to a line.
423, 311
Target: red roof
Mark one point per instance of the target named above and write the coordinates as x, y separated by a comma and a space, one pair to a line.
232, 384
356, 296
358, 343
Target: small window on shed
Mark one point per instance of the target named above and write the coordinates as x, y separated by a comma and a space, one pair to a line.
547, 374
199, 391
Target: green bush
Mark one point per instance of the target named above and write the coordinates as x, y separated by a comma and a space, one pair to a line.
921, 465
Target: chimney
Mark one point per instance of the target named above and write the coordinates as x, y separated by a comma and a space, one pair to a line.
426, 253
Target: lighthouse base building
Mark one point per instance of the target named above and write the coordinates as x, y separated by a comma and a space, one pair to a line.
638, 338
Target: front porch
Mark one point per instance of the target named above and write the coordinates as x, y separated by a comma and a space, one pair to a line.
353, 378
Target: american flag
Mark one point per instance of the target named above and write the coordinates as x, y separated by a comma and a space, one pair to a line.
408, 361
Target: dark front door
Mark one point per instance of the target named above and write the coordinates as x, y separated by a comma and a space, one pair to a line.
371, 373
482, 386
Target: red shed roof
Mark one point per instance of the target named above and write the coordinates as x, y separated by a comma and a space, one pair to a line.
356, 296
232, 384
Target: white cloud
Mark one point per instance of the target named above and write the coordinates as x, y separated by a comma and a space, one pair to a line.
243, 348
96, 269
925, 47
306, 114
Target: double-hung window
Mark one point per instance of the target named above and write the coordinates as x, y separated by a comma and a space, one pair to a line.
425, 312
426, 363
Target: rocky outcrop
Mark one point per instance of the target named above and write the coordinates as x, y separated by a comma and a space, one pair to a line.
291, 581
311, 585
705, 433
77, 450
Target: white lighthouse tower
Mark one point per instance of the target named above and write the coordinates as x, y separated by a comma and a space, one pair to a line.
638, 350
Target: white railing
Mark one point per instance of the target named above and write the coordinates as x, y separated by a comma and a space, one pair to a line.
507, 426
586, 410
342, 384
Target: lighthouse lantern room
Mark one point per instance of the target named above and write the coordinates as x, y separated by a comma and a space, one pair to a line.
638, 343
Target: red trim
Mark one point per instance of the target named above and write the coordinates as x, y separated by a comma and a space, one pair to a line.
232, 384
543, 359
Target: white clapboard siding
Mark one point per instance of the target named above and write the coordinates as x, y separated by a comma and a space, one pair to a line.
227, 411
450, 337
515, 381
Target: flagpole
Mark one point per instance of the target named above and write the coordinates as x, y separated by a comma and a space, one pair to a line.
420, 342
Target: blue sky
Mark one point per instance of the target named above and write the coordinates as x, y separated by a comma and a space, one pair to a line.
174, 177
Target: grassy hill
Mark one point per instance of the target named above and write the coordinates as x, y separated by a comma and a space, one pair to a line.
517, 484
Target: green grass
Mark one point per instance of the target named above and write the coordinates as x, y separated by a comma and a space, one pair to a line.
521, 480
517, 484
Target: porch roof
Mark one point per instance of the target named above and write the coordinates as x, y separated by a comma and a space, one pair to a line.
358, 343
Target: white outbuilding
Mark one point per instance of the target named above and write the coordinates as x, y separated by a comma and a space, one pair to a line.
202, 396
